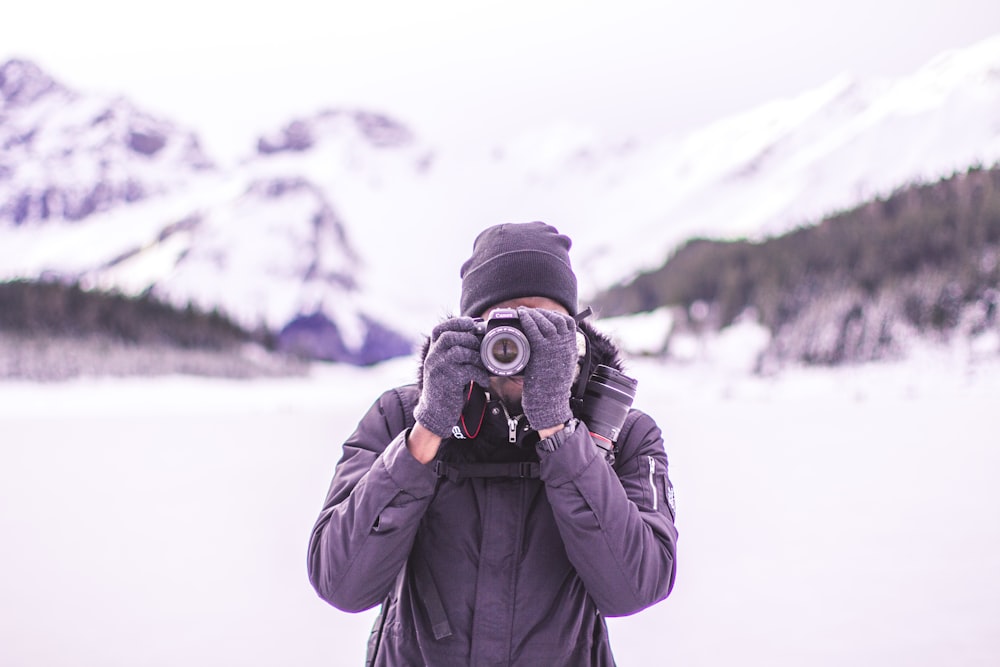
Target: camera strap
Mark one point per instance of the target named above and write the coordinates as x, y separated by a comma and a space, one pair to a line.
586, 364
473, 413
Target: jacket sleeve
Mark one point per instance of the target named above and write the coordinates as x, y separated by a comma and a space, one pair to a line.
367, 526
617, 523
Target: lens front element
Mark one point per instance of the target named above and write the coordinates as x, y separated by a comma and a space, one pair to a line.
504, 351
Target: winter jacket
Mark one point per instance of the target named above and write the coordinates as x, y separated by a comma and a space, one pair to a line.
485, 570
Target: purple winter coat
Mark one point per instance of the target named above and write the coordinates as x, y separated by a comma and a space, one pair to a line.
494, 571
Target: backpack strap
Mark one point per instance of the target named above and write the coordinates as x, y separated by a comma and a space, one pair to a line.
424, 581
397, 407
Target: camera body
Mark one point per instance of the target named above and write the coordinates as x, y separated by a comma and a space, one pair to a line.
503, 348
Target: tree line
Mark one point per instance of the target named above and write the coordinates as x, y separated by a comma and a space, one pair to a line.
901, 244
60, 309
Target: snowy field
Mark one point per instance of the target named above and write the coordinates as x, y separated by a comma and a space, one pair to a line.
825, 517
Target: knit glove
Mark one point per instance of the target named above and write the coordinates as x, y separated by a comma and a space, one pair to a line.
452, 362
548, 376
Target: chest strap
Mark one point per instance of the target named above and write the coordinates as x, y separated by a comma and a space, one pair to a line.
456, 471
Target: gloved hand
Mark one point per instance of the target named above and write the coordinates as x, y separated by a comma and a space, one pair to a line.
452, 362
548, 376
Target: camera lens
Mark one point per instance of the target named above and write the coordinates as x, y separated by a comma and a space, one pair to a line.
504, 351
606, 402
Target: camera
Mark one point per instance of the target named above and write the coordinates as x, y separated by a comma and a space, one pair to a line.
504, 347
606, 401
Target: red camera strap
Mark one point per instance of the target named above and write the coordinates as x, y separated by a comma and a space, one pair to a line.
474, 411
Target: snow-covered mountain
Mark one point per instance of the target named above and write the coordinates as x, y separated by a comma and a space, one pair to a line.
348, 223
771, 169
67, 156
94, 190
628, 201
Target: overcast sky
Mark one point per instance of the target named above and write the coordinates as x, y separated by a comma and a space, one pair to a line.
446, 67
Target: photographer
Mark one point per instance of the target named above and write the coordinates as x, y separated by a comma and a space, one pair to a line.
497, 518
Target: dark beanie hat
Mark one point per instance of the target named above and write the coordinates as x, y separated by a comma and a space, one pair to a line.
511, 261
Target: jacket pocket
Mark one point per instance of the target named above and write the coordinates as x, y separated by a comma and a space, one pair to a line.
659, 490
653, 491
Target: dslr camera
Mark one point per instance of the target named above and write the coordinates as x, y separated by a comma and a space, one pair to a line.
601, 397
503, 346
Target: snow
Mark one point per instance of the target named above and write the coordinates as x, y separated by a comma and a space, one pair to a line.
826, 517
643, 333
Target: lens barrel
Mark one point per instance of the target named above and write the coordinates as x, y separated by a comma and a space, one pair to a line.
607, 399
504, 348
504, 351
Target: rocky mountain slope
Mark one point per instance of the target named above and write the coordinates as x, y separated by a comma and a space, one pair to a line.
95, 191
68, 156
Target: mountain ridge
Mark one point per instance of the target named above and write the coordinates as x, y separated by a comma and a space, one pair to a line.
95, 191
865, 285
363, 208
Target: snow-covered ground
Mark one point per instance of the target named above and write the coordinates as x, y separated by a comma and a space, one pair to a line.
826, 517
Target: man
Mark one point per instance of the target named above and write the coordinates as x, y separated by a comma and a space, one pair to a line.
479, 510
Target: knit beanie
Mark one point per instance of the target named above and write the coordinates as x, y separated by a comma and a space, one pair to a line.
512, 261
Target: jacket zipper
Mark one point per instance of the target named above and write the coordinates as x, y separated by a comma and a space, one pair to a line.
511, 424
652, 481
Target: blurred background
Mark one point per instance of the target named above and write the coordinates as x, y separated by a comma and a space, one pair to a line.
225, 227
